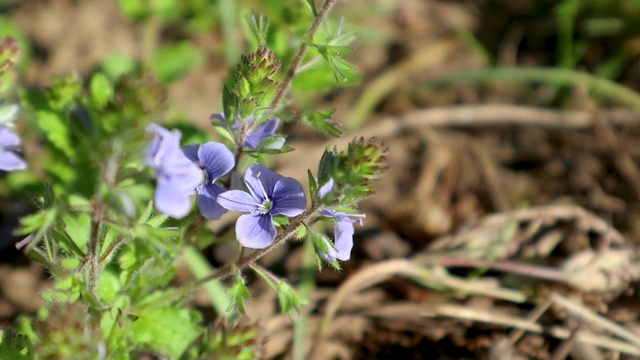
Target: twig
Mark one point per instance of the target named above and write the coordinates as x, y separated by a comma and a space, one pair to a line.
489, 317
291, 71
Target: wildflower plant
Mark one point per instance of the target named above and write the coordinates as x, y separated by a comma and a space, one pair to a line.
119, 196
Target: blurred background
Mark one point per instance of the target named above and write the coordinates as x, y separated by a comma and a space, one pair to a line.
512, 131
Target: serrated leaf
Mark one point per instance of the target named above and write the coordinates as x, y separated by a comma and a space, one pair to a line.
239, 293
165, 330
321, 121
56, 131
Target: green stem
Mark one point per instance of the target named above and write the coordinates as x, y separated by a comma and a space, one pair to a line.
291, 71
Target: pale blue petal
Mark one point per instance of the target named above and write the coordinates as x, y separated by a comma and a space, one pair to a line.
9, 161
186, 176
217, 160
255, 231
344, 238
325, 189
329, 213
209, 207
191, 152
288, 198
261, 181
238, 200
164, 143
170, 200
261, 132
8, 138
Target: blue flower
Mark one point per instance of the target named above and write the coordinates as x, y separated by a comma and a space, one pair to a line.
9, 143
177, 176
216, 160
269, 194
255, 134
343, 233
343, 230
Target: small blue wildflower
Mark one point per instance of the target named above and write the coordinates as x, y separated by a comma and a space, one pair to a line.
256, 134
269, 194
9, 143
216, 160
177, 176
343, 233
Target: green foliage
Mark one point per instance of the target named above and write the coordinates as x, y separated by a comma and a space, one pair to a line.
321, 121
239, 293
228, 340
113, 259
174, 60
354, 171
166, 330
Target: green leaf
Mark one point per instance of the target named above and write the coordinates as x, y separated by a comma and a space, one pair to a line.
135, 9
174, 60
166, 330
259, 26
13, 346
116, 65
78, 228
239, 293
313, 183
101, 90
109, 285
56, 130
321, 121
289, 299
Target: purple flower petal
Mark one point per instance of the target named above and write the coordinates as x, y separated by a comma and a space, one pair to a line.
288, 198
258, 134
207, 201
216, 159
343, 232
261, 181
177, 176
344, 238
255, 231
8, 138
168, 201
163, 144
238, 200
10, 161
191, 152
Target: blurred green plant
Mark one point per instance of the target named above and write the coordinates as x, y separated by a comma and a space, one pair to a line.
97, 226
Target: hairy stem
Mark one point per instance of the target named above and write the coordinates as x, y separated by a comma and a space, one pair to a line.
291, 71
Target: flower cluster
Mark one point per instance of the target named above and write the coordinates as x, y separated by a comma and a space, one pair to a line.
198, 169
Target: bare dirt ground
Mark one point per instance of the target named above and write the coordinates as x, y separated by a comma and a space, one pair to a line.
517, 205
